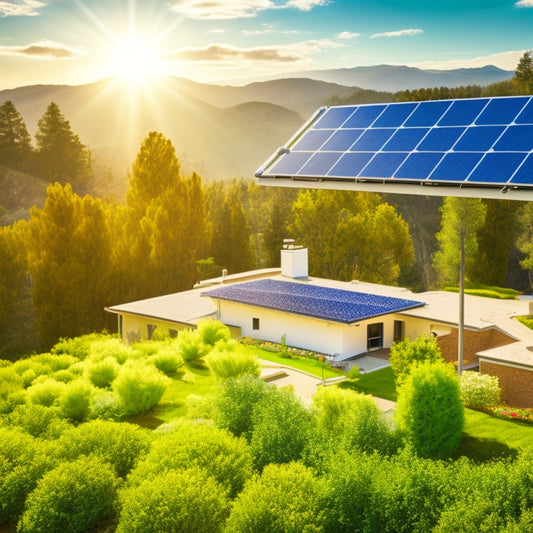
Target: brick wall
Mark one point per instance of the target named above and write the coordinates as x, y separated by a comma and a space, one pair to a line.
473, 342
516, 383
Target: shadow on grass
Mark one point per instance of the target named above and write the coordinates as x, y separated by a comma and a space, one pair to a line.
482, 450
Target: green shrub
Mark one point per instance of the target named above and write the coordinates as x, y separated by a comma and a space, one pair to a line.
281, 428
187, 501
109, 347
285, 499
479, 390
102, 372
75, 399
55, 362
189, 345
65, 376
38, 420
45, 392
191, 444
429, 409
23, 461
30, 370
12, 392
200, 406
140, 387
212, 331
78, 347
119, 444
167, 360
235, 401
105, 405
72, 497
405, 354
228, 360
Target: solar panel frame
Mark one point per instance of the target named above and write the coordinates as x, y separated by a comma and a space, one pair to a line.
480, 142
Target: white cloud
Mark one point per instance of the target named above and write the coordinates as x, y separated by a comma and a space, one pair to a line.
41, 50
222, 53
399, 33
524, 3
233, 9
347, 35
13, 8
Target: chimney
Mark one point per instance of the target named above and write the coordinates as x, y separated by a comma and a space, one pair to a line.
293, 260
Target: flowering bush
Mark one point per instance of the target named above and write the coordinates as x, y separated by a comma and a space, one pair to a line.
479, 390
523, 415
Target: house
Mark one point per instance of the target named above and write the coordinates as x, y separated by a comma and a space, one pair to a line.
346, 320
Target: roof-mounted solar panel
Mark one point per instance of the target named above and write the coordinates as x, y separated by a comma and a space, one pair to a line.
472, 147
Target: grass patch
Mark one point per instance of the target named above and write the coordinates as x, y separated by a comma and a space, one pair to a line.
300, 363
379, 383
487, 291
526, 320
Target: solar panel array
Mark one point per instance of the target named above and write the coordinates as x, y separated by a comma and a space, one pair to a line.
479, 141
324, 303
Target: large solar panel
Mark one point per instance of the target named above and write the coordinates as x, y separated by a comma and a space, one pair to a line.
324, 303
482, 143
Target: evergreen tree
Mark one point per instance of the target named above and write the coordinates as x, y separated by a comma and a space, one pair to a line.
61, 155
524, 73
461, 220
15, 141
70, 260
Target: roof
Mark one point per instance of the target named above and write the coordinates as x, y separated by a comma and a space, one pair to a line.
307, 299
474, 145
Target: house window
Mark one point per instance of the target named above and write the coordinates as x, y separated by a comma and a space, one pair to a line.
151, 328
172, 333
399, 331
120, 325
255, 323
374, 336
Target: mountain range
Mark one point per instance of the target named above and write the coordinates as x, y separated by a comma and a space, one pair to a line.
218, 131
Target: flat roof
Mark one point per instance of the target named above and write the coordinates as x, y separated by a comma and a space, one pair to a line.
324, 303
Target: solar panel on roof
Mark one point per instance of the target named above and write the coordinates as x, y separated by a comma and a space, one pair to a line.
482, 142
324, 303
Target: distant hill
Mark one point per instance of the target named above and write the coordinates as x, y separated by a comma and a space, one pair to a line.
398, 78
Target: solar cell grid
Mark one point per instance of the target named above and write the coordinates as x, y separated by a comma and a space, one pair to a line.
476, 141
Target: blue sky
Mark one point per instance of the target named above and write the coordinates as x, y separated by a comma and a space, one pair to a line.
230, 41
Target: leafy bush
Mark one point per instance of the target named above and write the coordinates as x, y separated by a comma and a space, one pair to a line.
102, 372
45, 392
78, 347
228, 360
212, 331
105, 405
405, 354
281, 428
200, 406
190, 346
286, 498
167, 360
38, 420
140, 387
187, 501
119, 444
479, 390
75, 400
109, 347
30, 370
193, 444
72, 497
23, 461
351, 420
55, 362
235, 401
430, 411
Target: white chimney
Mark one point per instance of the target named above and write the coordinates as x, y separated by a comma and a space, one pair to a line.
293, 260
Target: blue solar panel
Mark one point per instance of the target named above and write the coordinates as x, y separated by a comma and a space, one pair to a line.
479, 141
324, 303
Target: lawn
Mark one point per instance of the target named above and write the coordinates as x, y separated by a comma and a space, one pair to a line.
379, 383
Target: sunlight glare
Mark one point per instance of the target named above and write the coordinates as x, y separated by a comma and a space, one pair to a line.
137, 61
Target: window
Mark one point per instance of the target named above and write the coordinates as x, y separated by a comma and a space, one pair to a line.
120, 325
151, 328
255, 323
399, 331
172, 333
374, 336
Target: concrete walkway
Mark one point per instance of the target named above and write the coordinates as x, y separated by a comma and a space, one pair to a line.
304, 384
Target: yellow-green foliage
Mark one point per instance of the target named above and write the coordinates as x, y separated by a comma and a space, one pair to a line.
479, 390
228, 360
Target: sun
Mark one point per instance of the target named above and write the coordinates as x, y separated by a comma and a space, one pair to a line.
136, 60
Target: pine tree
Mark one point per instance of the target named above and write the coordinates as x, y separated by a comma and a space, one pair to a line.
15, 142
60, 154
524, 73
